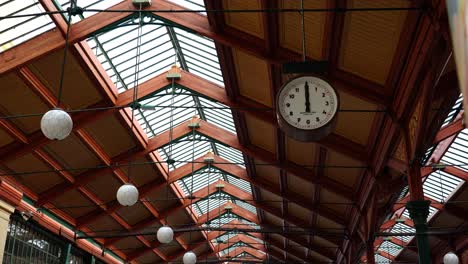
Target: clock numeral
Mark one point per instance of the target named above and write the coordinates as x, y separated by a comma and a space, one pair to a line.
297, 90
291, 96
308, 121
323, 94
298, 119
324, 112
288, 105
317, 119
291, 113
327, 103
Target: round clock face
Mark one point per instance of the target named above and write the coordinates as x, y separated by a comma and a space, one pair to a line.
307, 103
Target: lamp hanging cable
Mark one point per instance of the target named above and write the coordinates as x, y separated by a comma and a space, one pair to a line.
135, 104
190, 257
57, 124
127, 194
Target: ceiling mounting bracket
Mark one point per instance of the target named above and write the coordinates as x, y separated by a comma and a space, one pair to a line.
142, 3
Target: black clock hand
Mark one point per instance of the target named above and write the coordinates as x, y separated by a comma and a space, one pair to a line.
307, 98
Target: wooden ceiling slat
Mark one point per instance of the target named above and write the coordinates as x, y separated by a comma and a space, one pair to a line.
14, 131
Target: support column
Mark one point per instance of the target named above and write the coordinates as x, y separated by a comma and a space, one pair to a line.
370, 251
419, 210
5, 211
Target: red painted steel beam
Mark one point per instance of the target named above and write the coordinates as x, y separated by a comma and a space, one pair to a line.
237, 210
254, 252
241, 238
449, 130
234, 224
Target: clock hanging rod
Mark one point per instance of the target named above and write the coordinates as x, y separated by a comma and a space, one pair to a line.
286, 10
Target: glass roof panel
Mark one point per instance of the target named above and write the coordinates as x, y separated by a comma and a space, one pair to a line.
116, 49
89, 4
243, 185
223, 238
200, 179
432, 211
228, 217
14, 31
246, 206
402, 228
199, 56
245, 255
440, 185
380, 259
231, 154
233, 247
216, 200
184, 148
454, 111
457, 154
154, 115
390, 248
162, 44
191, 4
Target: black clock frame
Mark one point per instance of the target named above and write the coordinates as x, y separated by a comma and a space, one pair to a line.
310, 135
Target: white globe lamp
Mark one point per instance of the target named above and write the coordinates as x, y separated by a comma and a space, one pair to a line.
127, 195
56, 124
451, 258
165, 234
189, 258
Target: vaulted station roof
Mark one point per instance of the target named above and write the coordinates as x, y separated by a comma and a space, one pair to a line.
265, 197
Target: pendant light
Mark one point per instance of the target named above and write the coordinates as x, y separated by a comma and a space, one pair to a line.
57, 124
127, 194
189, 258
451, 258
165, 234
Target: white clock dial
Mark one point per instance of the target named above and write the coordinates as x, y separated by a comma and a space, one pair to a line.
307, 103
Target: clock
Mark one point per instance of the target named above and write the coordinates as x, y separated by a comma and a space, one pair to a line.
306, 108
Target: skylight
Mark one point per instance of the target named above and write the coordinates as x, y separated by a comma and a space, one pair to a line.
391, 248
228, 217
440, 185
162, 45
454, 111
231, 250
380, 259
182, 150
457, 154
201, 177
224, 238
14, 31
403, 228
